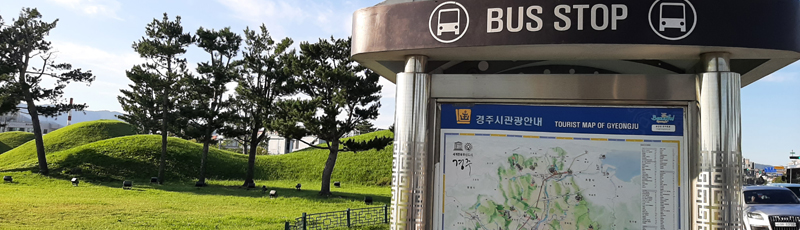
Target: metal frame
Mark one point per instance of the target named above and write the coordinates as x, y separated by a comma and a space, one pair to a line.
690, 138
622, 87
710, 100
443, 90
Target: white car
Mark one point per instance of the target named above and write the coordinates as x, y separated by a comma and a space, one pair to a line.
770, 208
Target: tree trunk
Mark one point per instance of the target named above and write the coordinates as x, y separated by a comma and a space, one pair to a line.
37, 133
206, 142
251, 161
163, 160
328, 171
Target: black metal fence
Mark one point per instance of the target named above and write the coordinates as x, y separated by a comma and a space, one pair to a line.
341, 219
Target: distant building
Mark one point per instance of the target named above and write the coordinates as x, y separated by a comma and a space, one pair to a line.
274, 144
278, 145
20, 122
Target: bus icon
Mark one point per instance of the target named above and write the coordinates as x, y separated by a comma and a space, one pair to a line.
444, 27
672, 15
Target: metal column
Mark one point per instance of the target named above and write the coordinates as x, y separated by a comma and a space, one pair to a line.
718, 186
410, 156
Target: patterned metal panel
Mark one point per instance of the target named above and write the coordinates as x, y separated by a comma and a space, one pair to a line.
410, 155
717, 202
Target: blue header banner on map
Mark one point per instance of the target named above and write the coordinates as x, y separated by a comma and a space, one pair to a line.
565, 119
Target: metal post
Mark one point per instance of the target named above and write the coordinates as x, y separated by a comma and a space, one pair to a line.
717, 187
385, 214
348, 217
286, 226
304, 221
410, 156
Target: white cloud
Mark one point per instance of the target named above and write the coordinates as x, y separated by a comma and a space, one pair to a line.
297, 19
107, 8
780, 77
88, 57
273, 14
108, 69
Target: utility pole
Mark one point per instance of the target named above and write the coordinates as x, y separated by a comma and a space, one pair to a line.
69, 114
790, 170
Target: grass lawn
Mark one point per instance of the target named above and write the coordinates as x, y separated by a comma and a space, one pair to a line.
11, 140
37, 202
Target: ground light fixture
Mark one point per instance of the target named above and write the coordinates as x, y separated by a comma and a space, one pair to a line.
75, 182
368, 200
337, 184
263, 189
9, 179
127, 185
297, 187
273, 194
153, 180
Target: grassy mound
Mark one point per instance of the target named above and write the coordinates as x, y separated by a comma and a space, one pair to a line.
10, 140
137, 156
66, 138
373, 167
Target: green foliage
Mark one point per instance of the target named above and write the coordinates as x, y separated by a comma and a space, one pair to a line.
337, 85
204, 100
377, 143
65, 138
21, 41
204, 103
141, 102
24, 40
365, 127
163, 46
49, 202
342, 94
265, 80
10, 140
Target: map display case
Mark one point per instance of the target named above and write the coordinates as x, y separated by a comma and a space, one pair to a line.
527, 166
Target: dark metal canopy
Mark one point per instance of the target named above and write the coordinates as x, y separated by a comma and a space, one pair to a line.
577, 36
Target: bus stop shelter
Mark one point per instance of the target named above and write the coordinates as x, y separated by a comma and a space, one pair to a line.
535, 114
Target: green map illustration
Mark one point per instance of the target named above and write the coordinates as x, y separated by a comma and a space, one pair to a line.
508, 183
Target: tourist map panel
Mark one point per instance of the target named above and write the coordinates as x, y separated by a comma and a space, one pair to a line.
558, 169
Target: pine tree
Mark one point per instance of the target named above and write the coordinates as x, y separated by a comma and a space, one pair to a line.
7, 93
205, 99
21, 44
163, 45
266, 79
342, 95
141, 102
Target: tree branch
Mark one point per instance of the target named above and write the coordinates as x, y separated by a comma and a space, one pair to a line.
344, 148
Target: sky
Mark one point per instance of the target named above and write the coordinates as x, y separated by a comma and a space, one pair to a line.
98, 34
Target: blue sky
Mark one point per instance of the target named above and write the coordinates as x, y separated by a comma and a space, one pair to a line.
97, 35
